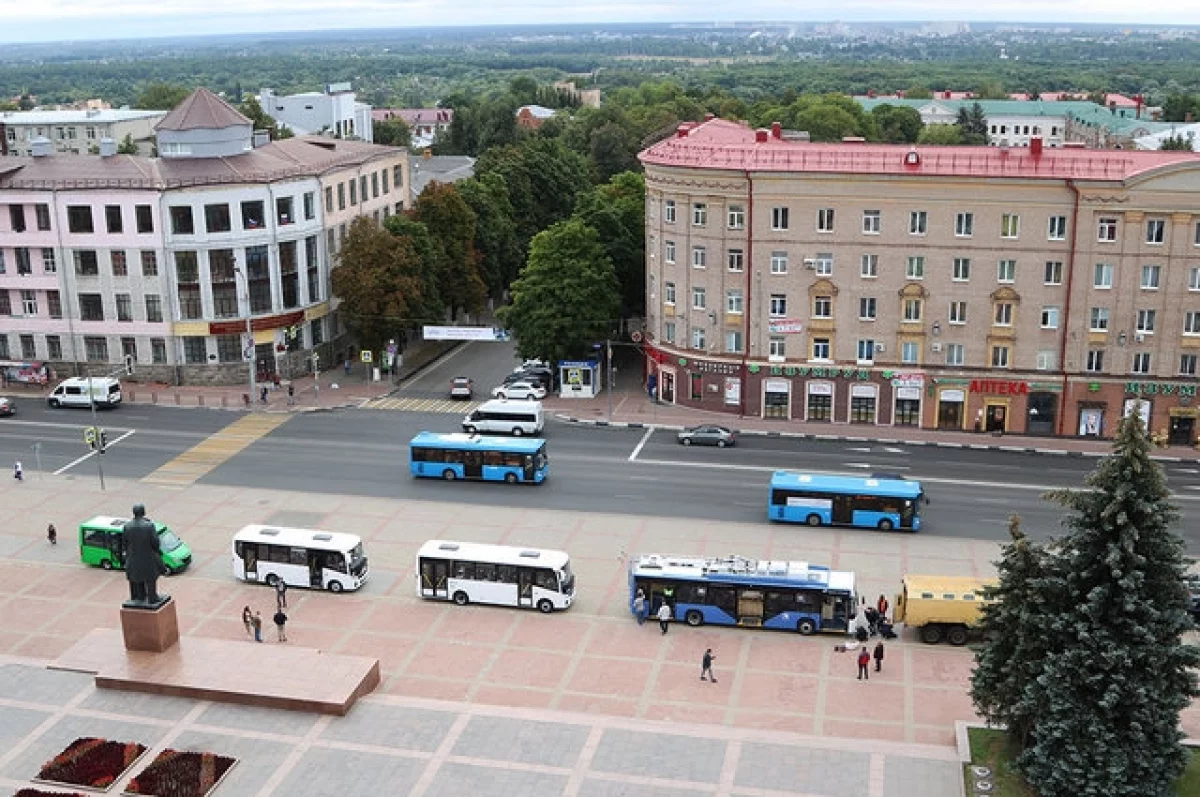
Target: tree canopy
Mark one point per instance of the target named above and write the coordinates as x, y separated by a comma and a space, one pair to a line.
378, 279
392, 132
161, 96
617, 212
451, 225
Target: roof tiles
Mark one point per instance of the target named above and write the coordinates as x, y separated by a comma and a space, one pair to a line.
202, 110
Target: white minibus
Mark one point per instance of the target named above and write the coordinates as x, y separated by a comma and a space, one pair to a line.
471, 572
74, 392
505, 417
299, 557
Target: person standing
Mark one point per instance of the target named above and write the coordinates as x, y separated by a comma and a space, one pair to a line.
280, 594
882, 606
664, 616
639, 607
291, 394
706, 666
878, 656
256, 624
280, 620
52, 534
262, 394
248, 621
18, 471
864, 664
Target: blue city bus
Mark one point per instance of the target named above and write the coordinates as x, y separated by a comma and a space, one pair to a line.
817, 500
466, 456
789, 596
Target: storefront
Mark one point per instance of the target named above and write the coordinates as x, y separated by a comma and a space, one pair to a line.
864, 403
819, 404
951, 408
907, 407
777, 399
1166, 408
1091, 419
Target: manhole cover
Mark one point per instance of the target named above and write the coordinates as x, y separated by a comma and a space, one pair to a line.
981, 772
984, 787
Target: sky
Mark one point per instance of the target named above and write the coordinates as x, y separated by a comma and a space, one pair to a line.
56, 20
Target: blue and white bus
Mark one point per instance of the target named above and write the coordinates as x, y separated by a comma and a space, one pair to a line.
818, 500
465, 456
790, 596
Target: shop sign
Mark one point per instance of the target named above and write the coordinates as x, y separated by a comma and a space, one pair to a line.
776, 386
820, 389
904, 379
908, 393
862, 391
256, 324
819, 372
724, 369
1000, 387
1159, 389
952, 396
733, 390
785, 326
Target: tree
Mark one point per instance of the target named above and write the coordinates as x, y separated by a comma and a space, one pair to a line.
496, 242
972, 125
1181, 108
1176, 142
392, 132
161, 96
378, 282
898, 124
613, 149
428, 308
918, 92
1109, 724
127, 146
259, 118
940, 135
451, 225
617, 211
567, 296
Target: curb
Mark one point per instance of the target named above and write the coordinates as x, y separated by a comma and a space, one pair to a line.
830, 438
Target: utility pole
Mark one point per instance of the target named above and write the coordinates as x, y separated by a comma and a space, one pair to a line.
96, 426
248, 345
608, 361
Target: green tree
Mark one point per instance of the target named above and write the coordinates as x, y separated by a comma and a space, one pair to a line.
428, 307
991, 90
617, 211
378, 281
496, 239
161, 96
613, 149
451, 225
1109, 723
127, 146
898, 124
972, 125
1181, 108
255, 113
524, 90
392, 132
567, 296
940, 135
1176, 142
918, 92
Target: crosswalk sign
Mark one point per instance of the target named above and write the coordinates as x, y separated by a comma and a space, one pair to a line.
365, 355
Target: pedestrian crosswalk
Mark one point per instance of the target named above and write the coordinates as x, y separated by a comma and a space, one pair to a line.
193, 464
444, 405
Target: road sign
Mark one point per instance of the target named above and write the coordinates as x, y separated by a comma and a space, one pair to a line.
636, 336
89, 436
365, 355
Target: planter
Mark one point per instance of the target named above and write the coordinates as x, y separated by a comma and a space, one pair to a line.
176, 773
91, 763
40, 793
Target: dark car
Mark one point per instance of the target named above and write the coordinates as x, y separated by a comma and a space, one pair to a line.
7, 406
461, 388
717, 436
541, 376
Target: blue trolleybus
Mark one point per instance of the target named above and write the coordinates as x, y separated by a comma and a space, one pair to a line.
792, 596
465, 456
817, 500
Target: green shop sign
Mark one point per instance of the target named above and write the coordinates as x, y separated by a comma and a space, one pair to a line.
819, 372
1159, 389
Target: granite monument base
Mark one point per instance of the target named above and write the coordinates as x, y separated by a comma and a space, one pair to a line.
151, 630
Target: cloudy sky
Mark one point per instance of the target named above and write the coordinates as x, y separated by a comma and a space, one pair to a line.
43, 20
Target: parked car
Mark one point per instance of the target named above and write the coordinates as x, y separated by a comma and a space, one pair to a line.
461, 387
7, 406
538, 377
532, 364
717, 436
520, 390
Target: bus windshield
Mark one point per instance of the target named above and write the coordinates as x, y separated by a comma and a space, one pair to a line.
566, 579
167, 541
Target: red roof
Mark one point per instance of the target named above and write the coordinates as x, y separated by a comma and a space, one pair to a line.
722, 145
202, 110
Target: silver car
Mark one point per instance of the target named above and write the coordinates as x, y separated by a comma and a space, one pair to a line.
520, 390
717, 436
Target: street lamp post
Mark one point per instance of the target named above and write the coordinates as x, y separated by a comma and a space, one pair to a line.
248, 348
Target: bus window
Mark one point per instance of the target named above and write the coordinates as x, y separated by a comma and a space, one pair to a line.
545, 579
297, 556
485, 572
335, 562
464, 570
506, 574
724, 598
691, 593
97, 538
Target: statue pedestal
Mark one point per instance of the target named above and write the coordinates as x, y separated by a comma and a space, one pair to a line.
153, 630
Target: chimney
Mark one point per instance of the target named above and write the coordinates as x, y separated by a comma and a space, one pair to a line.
41, 147
1035, 146
776, 130
427, 153
682, 130
108, 148
261, 138
761, 135
708, 117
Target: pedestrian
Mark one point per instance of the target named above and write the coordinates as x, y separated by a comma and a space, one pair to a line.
52, 534
878, 656
706, 666
881, 606
639, 607
280, 593
248, 621
275, 380
18, 471
262, 395
280, 619
347, 366
664, 616
256, 624
291, 394
864, 664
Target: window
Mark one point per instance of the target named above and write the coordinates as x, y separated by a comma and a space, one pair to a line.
24, 264
374, 187
86, 263
698, 338
872, 222
736, 217
699, 300
1006, 271
916, 268
16, 217
733, 301
954, 354
1010, 225
353, 183
962, 269
1150, 277
398, 178
779, 218
120, 266
229, 348
154, 308
777, 348
54, 304
820, 348
964, 225
1003, 314
1145, 321
216, 218
825, 220
1156, 231
1000, 356
341, 191
28, 349
869, 266
224, 283
96, 348
669, 252
1191, 322
866, 350
124, 307
699, 257
1099, 320
314, 269
383, 178
54, 347
699, 214
958, 312
1047, 360
194, 351
289, 274
917, 221
43, 217
778, 305
912, 310
3, 268
1050, 317
362, 190
1106, 229
112, 218
187, 273
181, 220
779, 262
1194, 278
29, 302
158, 351
91, 307
49, 262
1095, 361
669, 293
733, 341
5, 309
669, 211
1187, 365
1141, 362
735, 260
669, 331
823, 264
1054, 272
328, 199
253, 217
910, 352
1103, 276
285, 213
79, 218
1057, 228
822, 307
866, 308
144, 217
149, 263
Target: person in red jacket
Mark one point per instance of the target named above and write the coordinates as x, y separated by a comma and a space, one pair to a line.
864, 663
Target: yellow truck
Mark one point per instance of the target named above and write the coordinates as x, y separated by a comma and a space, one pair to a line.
941, 607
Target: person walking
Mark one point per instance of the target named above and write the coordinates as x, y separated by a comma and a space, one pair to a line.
878, 656
18, 471
864, 664
347, 366
664, 616
280, 620
280, 594
262, 394
291, 394
248, 621
881, 606
52, 534
639, 607
706, 666
256, 624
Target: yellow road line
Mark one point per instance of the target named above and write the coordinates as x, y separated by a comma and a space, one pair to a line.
448, 406
196, 462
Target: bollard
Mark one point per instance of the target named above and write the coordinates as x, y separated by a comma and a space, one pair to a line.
153, 398
199, 401
132, 395
176, 399
224, 403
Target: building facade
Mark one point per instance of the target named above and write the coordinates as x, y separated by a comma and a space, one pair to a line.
336, 112
165, 259
1029, 290
76, 132
425, 123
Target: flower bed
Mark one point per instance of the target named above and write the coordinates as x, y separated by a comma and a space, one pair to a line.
40, 793
176, 773
92, 763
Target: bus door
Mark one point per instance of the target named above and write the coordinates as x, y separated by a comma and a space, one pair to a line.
527, 468
116, 546
316, 560
835, 612
843, 509
250, 560
750, 607
472, 465
525, 587
907, 513
435, 574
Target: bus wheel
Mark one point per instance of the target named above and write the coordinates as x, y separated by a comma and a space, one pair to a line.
517, 431
335, 586
461, 598
545, 606
806, 627
813, 520
885, 525
471, 430
694, 618
931, 634
107, 564
448, 475
511, 478
957, 635
272, 579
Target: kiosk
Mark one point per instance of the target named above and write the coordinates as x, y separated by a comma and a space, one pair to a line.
578, 378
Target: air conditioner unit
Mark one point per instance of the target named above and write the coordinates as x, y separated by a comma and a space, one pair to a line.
810, 263
1140, 338
879, 347
712, 388
935, 347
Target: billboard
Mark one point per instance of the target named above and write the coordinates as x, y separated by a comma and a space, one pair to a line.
785, 326
465, 333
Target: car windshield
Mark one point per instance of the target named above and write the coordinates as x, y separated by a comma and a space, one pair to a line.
167, 541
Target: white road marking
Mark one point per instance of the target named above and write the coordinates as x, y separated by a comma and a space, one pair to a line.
891, 450
641, 444
863, 450
90, 454
857, 464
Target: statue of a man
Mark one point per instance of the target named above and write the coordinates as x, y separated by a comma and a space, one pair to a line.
143, 560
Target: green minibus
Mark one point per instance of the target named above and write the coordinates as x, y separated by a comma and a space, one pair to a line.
102, 544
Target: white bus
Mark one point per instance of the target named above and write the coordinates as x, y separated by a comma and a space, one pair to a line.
505, 417
300, 558
467, 572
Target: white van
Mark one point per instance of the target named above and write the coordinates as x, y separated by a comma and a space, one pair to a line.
505, 416
73, 392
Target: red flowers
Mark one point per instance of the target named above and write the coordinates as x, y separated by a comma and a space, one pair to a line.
181, 774
91, 762
40, 793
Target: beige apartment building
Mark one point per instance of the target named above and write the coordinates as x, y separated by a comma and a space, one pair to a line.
1030, 290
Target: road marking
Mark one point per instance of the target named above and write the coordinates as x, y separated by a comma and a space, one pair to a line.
891, 450
857, 464
90, 454
404, 404
437, 362
79, 427
641, 443
860, 450
219, 448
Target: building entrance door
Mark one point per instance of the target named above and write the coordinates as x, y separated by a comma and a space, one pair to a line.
1183, 431
950, 414
997, 415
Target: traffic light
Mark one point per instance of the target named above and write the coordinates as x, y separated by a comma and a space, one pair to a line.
128, 365
103, 440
